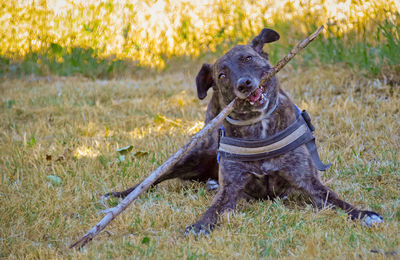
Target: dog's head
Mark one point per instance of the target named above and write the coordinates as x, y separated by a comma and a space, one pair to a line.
238, 74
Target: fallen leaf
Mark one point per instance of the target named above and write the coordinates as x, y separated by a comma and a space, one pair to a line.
125, 150
139, 154
54, 179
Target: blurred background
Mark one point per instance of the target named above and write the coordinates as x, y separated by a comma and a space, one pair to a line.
105, 39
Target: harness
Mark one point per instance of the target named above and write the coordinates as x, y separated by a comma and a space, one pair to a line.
298, 133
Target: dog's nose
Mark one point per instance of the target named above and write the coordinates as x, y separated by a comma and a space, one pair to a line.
244, 84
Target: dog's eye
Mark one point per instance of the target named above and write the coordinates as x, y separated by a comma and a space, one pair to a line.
221, 76
248, 58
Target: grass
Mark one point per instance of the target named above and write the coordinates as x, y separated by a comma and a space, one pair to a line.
84, 79
58, 142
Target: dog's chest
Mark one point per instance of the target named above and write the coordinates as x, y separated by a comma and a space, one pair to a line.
254, 132
264, 128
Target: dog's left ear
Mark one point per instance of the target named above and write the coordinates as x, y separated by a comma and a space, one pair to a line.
204, 80
266, 36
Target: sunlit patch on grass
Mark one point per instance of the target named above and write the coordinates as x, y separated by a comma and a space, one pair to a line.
181, 99
138, 133
85, 151
89, 130
108, 132
162, 120
197, 126
164, 125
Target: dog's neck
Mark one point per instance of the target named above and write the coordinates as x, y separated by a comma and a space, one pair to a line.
254, 117
274, 118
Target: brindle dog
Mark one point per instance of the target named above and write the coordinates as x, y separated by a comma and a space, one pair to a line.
268, 110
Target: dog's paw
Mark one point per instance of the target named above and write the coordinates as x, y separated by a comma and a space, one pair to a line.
371, 219
212, 185
199, 229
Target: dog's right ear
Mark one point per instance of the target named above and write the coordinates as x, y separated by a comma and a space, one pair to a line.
204, 80
266, 36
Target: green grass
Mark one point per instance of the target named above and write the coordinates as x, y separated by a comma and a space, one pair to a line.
360, 53
363, 55
66, 62
46, 40
58, 155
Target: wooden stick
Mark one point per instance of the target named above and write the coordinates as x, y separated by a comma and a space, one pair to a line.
300, 46
113, 212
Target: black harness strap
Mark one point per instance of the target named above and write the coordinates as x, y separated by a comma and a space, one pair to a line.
312, 149
297, 134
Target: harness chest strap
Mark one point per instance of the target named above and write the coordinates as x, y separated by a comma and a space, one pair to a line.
298, 133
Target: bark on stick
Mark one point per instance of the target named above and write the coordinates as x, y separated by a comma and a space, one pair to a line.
114, 212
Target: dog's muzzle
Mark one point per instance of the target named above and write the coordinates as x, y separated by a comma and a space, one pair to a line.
245, 85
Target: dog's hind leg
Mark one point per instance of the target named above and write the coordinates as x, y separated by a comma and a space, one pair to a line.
301, 174
322, 197
200, 165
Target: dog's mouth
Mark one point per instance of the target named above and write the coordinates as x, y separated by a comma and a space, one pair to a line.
257, 97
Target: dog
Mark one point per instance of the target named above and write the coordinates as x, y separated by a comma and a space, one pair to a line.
261, 114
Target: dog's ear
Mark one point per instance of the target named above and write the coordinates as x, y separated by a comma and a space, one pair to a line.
266, 36
204, 80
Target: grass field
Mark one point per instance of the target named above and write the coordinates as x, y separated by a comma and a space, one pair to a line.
80, 81
58, 145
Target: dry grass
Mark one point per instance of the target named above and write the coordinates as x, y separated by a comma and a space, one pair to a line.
70, 128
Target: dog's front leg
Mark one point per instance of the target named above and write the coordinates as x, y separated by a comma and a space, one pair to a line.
226, 198
233, 181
